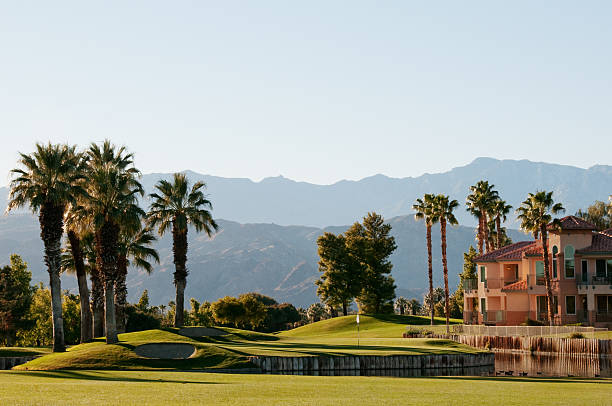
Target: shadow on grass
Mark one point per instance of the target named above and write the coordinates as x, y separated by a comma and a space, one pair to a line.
106, 376
242, 348
524, 379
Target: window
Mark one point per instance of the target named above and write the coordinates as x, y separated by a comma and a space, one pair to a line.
585, 270
609, 267
569, 261
555, 252
539, 273
482, 274
604, 304
483, 305
570, 304
600, 268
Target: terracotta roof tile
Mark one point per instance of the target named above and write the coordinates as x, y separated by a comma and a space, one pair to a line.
602, 242
574, 223
516, 286
507, 253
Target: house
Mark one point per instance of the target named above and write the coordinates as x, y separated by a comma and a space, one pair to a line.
510, 286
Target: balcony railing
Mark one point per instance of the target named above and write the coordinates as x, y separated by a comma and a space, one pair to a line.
601, 280
603, 317
470, 284
494, 316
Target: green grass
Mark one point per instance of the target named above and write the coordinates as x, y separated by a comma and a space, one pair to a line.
189, 388
379, 335
23, 351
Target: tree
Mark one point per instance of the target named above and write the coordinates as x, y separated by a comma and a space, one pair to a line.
143, 302
176, 206
414, 306
228, 310
479, 203
279, 316
316, 312
15, 299
254, 312
535, 215
112, 201
423, 209
402, 304
499, 214
430, 301
599, 214
443, 210
47, 182
134, 250
340, 282
496, 237
371, 244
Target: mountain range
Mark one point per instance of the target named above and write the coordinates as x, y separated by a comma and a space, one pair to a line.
267, 240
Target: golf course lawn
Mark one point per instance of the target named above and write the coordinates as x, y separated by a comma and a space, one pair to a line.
164, 387
379, 335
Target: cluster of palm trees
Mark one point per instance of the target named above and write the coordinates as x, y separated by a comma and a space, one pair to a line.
437, 209
93, 196
484, 203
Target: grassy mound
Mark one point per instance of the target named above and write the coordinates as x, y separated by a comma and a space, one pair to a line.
375, 326
98, 355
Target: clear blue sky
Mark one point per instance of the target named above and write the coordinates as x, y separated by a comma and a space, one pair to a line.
315, 90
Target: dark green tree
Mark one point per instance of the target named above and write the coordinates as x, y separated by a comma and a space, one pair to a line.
341, 277
370, 244
15, 299
599, 214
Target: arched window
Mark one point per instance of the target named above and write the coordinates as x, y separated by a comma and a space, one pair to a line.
568, 253
555, 253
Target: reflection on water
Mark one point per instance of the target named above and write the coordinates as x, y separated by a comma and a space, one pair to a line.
506, 364
552, 365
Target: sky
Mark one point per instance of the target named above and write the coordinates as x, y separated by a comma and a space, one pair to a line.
315, 91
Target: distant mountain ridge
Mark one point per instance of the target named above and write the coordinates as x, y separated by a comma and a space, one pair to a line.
286, 202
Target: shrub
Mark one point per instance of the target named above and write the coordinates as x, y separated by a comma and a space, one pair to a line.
576, 334
139, 321
530, 322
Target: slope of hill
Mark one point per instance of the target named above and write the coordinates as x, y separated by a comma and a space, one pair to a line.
280, 261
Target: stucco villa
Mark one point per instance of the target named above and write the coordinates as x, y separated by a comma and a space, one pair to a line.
510, 286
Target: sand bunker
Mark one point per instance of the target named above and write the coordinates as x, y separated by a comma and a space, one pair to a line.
165, 350
201, 332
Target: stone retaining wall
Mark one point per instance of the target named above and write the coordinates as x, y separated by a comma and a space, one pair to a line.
364, 363
10, 362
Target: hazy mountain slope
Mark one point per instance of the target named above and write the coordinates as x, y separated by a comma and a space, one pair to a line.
283, 201
279, 261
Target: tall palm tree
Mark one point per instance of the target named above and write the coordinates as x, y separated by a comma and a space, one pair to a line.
424, 211
177, 206
479, 203
535, 215
47, 182
134, 249
112, 199
443, 208
499, 212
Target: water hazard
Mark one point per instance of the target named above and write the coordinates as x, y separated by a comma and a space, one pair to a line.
506, 364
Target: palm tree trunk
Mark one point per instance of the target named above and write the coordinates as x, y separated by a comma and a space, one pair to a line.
51, 230
485, 232
180, 272
445, 267
480, 236
430, 270
106, 261
109, 312
79, 266
549, 295
498, 228
97, 303
121, 294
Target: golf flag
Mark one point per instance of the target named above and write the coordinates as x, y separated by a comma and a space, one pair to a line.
357, 319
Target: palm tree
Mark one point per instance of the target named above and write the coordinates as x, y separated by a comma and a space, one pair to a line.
499, 212
423, 208
178, 207
535, 215
479, 203
47, 182
112, 199
443, 210
134, 249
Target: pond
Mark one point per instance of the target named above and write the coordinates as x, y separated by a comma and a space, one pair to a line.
506, 364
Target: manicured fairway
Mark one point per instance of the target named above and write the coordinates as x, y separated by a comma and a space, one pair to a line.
186, 388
